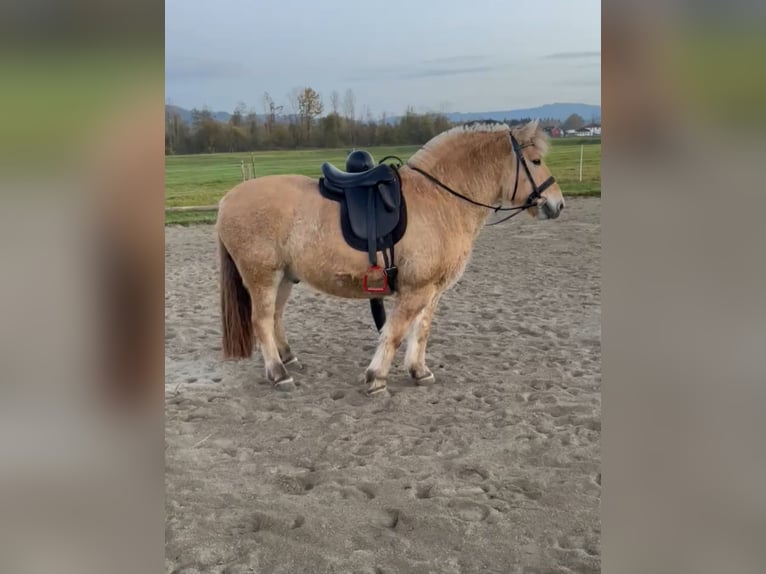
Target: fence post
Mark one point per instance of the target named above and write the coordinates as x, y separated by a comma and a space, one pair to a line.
242, 167
581, 148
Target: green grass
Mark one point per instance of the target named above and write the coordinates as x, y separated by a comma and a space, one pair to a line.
204, 179
188, 218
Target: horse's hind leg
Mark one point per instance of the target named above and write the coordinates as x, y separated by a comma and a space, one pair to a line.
408, 307
264, 298
415, 359
283, 294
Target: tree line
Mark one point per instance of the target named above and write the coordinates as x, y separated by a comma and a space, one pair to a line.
299, 124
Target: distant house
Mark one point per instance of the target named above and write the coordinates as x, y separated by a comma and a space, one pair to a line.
591, 129
554, 131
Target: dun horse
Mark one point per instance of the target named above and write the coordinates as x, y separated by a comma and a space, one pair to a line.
275, 231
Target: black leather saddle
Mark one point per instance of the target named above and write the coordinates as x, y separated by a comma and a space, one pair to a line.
373, 214
382, 173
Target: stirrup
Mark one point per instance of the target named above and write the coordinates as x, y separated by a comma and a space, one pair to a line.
365, 281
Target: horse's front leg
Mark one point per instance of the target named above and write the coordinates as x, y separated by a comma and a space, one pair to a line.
415, 359
408, 307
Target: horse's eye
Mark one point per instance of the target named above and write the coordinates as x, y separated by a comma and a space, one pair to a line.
536, 161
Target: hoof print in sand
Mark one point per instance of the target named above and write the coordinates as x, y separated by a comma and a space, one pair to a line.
387, 518
257, 522
473, 473
368, 490
301, 484
469, 511
527, 488
424, 491
299, 521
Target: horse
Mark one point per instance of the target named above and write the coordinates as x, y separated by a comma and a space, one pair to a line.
278, 230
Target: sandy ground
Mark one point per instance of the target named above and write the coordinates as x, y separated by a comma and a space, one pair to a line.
494, 468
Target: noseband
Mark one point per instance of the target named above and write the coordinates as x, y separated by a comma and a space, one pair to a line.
520, 162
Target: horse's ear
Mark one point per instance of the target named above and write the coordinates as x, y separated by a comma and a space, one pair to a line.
531, 132
529, 129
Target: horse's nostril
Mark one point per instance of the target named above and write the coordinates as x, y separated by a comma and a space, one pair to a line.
561, 207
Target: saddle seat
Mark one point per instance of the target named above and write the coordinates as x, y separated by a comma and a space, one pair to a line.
344, 180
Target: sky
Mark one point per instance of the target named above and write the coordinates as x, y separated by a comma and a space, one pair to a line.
433, 55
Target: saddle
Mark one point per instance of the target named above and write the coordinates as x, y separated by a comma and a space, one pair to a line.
373, 214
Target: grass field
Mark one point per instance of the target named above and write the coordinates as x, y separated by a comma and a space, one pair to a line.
204, 179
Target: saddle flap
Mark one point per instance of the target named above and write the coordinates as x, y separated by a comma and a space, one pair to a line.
390, 196
385, 219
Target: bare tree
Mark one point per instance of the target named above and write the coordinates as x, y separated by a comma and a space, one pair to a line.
348, 105
271, 110
293, 112
292, 101
268, 109
335, 102
348, 114
237, 118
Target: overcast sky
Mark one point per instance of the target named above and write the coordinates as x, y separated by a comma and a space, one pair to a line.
439, 55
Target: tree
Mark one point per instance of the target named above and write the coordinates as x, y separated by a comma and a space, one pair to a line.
239, 114
520, 122
293, 109
206, 130
251, 127
176, 133
574, 122
271, 110
335, 102
309, 107
348, 105
348, 114
329, 128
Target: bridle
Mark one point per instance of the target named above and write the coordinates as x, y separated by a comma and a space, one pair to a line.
520, 162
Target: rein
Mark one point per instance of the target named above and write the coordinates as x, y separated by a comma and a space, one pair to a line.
520, 161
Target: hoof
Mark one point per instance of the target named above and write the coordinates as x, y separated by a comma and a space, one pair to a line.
285, 385
428, 379
424, 379
293, 362
377, 387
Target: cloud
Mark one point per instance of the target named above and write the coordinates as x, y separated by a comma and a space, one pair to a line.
436, 73
416, 73
589, 82
456, 59
572, 55
202, 69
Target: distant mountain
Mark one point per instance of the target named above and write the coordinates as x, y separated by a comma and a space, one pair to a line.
558, 111
186, 115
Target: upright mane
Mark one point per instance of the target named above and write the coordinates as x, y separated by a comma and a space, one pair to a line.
445, 145
437, 145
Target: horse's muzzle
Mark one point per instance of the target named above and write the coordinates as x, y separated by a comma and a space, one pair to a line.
550, 208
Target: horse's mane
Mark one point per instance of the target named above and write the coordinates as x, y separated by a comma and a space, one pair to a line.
528, 134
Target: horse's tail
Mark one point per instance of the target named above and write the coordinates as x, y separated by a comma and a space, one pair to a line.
235, 309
